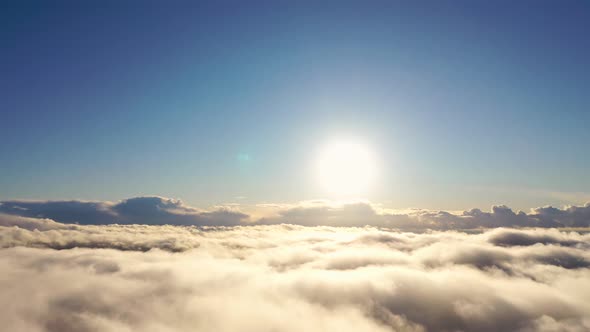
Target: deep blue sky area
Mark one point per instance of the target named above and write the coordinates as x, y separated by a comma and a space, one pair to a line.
468, 103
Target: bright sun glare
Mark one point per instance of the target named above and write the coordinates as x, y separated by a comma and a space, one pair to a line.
346, 168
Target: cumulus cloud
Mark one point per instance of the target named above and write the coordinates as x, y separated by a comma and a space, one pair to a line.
154, 210
147, 210
290, 278
364, 213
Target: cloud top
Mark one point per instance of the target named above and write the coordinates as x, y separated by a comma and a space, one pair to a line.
289, 278
155, 210
148, 210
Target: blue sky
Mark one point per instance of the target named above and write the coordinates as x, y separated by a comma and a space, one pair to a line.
467, 104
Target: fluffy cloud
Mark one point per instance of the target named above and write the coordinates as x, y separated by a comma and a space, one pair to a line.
45, 233
156, 210
363, 213
289, 278
139, 210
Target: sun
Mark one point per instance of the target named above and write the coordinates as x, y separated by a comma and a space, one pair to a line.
346, 168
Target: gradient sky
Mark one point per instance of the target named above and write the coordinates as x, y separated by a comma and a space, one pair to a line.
468, 104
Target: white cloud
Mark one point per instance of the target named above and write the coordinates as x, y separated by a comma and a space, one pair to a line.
289, 278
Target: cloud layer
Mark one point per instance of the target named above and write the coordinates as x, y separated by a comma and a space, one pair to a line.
289, 278
154, 210
149, 210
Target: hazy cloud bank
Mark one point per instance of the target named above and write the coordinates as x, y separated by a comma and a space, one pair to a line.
154, 210
289, 278
150, 210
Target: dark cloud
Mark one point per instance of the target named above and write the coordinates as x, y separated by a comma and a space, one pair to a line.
523, 238
151, 210
154, 210
360, 214
572, 216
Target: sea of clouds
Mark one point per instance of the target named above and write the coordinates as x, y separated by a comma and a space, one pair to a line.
279, 277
